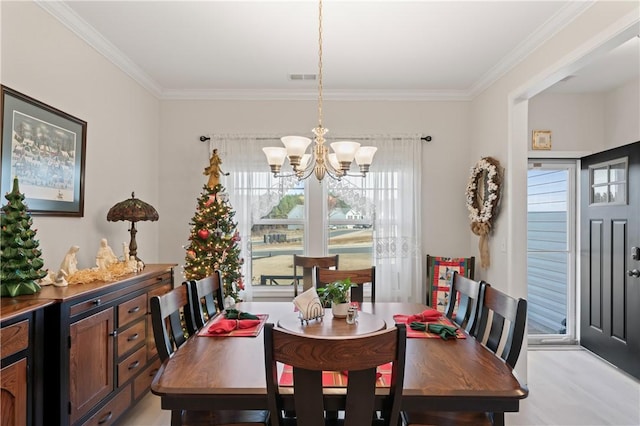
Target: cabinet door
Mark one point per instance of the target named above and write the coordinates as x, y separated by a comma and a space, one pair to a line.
90, 362
13, 394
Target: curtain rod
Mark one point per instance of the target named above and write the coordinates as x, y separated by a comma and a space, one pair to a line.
424, 138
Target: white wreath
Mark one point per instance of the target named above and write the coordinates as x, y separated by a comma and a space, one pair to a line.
481, 216
484, 214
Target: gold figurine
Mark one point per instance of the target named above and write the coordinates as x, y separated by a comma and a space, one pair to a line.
214, 170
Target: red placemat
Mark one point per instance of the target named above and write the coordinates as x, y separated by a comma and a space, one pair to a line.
427, 335
337, 379
245, 332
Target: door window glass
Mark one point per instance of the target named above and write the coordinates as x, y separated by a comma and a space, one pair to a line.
609, 182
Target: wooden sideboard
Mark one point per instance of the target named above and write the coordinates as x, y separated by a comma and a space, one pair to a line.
99, 351
21, 349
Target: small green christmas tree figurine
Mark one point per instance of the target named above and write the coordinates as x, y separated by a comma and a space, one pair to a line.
214, 242
20, 262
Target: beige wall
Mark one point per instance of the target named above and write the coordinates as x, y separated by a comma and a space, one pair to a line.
622, 115
576, 121
588, 122
44, 60
444, 160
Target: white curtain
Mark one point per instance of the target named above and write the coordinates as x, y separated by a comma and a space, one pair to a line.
252, 190
395, 179
393, 193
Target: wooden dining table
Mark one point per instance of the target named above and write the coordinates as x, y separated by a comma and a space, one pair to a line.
457, 374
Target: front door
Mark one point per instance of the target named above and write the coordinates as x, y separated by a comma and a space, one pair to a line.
610, 256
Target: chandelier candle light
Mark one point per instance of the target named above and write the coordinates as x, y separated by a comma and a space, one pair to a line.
320, 161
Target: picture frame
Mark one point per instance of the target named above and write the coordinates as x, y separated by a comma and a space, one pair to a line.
541, 140
45, 149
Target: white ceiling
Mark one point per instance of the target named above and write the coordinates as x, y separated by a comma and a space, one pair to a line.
372, 49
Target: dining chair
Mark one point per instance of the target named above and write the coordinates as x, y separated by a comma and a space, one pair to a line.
358, 277
170, 332
311, 355
506, 313
498, 312
439, 272
306, 263
464, 302
206, 298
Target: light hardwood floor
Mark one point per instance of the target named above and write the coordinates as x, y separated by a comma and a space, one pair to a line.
566, 387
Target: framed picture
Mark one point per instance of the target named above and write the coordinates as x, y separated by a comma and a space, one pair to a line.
541, 140
45, 148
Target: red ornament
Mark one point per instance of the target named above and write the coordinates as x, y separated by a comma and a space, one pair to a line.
203, 234
191, 254
211, 199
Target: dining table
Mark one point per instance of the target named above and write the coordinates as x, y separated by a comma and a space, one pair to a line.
456, 374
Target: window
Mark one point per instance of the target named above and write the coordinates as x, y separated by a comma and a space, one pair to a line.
275, 237
350, 221
268, 213
609, 182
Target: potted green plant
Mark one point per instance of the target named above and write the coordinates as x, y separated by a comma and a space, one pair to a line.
336, 295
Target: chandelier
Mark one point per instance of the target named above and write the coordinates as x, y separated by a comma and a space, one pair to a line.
319, 161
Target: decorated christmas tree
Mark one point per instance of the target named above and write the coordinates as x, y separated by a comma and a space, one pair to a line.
20, 261
214, 241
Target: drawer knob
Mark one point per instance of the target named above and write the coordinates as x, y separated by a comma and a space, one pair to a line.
132, 338
134, 309
97, 302
106, 418
134, 364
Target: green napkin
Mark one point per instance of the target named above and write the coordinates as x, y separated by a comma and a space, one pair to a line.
445, 331
236, 314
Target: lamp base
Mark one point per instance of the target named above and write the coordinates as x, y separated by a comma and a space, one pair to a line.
133, 245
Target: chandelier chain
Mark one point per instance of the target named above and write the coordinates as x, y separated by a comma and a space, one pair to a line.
320, 63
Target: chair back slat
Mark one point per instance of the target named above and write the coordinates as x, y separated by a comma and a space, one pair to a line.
358, 278
465, 293
360, 404
307, 263
310, 355
496, 310
167, 311
308, 386
206, 298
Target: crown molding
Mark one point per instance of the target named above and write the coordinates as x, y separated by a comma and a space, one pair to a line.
93, 38
555, 24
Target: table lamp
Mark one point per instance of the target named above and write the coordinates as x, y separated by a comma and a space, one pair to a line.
132, 210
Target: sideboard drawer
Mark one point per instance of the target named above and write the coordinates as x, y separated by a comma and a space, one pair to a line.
131, 365
14, 338
112, 410
131, 337
143, 381
132, 309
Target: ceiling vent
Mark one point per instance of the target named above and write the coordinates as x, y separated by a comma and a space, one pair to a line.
302, 77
